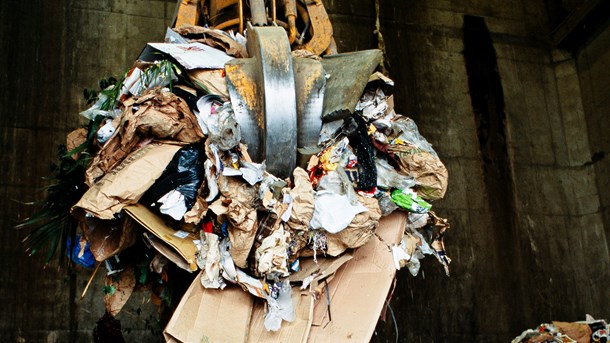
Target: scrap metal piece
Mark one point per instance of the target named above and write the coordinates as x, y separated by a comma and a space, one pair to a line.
262, 91
310, 84
321, 27
258, 12
349, 74
187, 13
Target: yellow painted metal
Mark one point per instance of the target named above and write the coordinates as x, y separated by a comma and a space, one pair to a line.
320, 25
188, 13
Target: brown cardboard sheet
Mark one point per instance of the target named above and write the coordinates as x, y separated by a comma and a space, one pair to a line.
359, 288
358, 285
210, 315
182, 241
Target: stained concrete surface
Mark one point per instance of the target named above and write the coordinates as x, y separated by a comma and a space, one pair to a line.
551, 265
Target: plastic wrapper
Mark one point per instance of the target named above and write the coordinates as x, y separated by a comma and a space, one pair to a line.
372, 104
106, 131
407, 131
386, 205
207, 112
410, 201
388, 177
176, 189
280, 309
79, 252
96, 109
337, 181
363, 148
140, 78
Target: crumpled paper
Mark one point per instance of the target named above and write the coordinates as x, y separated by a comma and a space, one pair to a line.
157, 114
429, 172
236, 188
242, 231
215, 38
75, 139
301, 211
360, 230
126, 184
272, 255
108, 237
198, 211
208, 259
302, 201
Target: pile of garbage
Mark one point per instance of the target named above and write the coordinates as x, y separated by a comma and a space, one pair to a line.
167, 180
587, 331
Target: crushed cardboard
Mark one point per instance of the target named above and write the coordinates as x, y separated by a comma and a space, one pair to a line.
361, 281
127, 182
184, 244
210, 315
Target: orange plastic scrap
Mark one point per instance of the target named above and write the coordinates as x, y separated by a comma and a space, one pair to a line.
188, 13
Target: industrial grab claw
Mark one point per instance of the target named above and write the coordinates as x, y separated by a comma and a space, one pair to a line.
278, 99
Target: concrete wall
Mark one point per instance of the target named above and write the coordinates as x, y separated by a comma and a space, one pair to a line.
49, 52
529, 243
592, 65
542, 257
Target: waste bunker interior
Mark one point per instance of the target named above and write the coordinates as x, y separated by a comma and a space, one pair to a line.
512, 94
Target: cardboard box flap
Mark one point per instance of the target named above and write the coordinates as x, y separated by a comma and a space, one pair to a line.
182, 241
210, 315
325, 266
295, 331
359, 288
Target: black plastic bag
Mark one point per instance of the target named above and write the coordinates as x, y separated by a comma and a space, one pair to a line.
184, 174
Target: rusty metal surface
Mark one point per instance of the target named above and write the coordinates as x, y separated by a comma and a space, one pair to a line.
258, 12
321, 27
349, 74
188, 13
262, 91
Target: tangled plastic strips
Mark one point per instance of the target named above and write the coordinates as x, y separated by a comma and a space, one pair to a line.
318, 243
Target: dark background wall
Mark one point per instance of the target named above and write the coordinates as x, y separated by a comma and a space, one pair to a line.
520, 125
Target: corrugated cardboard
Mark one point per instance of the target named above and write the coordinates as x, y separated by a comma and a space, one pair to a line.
359, 288
126, 183
357, 292
295, 331
210, 315
151, 222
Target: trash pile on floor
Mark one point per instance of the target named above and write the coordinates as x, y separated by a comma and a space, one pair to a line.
174, 173
590, 330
